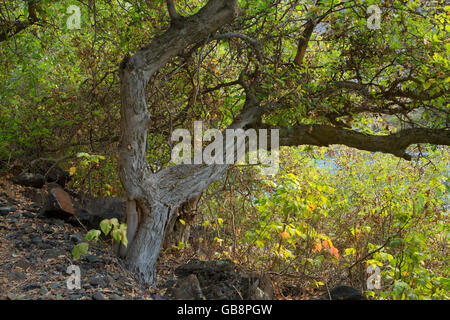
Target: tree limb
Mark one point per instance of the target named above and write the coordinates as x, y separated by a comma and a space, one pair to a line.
307, 33
396, 144
11, 28
392, 92
172, 10
254, 43
303, 41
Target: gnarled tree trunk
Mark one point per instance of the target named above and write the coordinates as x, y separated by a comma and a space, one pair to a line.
154, 198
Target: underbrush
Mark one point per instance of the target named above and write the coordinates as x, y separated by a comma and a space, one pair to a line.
338, 216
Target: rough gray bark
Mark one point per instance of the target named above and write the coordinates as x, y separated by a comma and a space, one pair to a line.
154, 198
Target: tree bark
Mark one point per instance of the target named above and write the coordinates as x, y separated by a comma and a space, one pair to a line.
154, 198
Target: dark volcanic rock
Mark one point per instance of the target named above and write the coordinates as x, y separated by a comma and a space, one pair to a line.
6, 210
17, 275
53, 172
92, 258
188, 289
31, 286
53, 253
218, 280
97, 280
98, 296
343, 293
60, 205
30, 180
43, 291
97, 209
40, 172
27, 214
75, 238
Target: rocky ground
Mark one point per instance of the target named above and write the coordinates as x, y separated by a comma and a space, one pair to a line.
36, 252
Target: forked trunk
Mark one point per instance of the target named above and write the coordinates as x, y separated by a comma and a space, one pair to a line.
154, 198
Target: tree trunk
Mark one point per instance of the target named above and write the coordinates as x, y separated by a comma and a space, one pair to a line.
154, 199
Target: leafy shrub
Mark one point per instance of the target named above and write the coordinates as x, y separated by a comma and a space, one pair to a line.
338, 211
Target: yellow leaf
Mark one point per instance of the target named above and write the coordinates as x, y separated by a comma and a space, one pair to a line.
319, 283
72, 170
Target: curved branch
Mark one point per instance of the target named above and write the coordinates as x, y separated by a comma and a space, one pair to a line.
396, 144
303, 41
172, 10
135, 73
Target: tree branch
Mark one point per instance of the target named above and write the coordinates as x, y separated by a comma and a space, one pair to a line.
303, 42
254, 43
307, 33
396, 144
172, 10
221, 85
388, 93
9, 29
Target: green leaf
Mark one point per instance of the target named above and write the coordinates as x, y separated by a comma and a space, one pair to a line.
350, 251
106, 226
114, 222
399, 287
395, 243
117, 235
80, 249
93, 235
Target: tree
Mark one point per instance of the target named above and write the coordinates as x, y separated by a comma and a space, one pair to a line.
10, 28
324, 97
